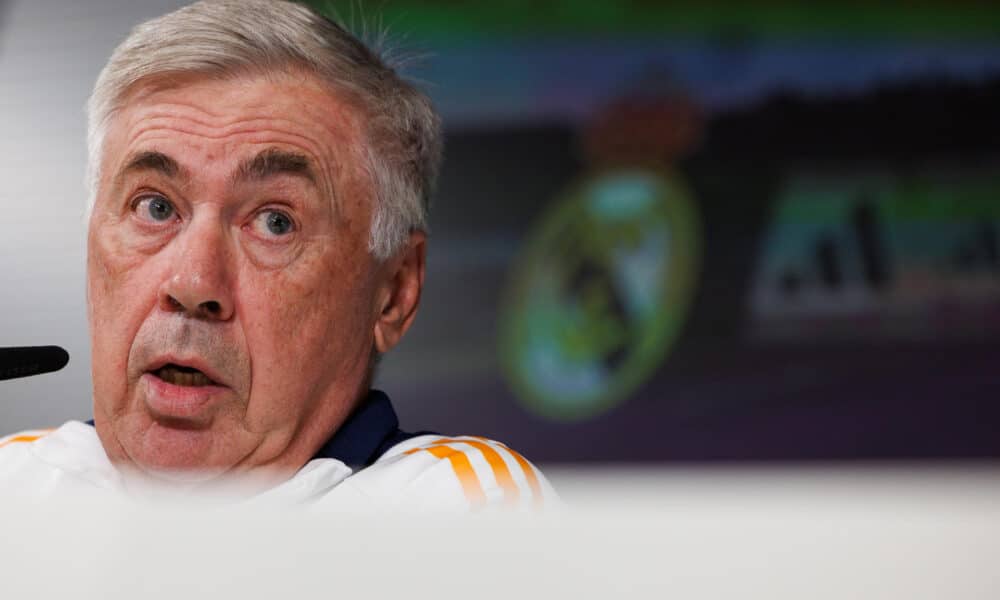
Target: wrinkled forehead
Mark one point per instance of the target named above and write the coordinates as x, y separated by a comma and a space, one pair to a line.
210, 122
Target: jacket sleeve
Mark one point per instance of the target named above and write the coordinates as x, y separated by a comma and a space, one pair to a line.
461, 474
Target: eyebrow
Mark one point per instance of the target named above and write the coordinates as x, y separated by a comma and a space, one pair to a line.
151, 160
272, 162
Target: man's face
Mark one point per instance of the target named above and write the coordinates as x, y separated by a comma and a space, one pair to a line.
232, 296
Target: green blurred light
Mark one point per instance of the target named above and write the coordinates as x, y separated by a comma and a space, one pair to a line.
444, 20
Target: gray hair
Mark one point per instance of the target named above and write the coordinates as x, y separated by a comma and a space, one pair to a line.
227, 38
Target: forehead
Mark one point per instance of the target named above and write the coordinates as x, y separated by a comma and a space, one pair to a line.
224, 120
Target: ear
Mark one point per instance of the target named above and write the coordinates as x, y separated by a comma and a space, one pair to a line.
399, 294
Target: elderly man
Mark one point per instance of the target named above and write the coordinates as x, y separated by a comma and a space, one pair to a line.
259, 187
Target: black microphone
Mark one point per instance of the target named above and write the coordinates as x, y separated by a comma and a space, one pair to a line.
23, 361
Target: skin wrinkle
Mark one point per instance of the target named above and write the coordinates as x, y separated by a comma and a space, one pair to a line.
295, 333
147, 124
350, 110
326, 186
185, 187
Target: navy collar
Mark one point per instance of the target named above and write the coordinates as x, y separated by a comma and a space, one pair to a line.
371, 429
366, 435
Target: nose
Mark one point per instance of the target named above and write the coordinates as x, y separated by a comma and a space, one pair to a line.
198, 281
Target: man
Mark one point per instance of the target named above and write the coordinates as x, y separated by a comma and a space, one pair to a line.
259, 185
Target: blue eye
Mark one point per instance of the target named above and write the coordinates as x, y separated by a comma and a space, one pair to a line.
278, 223
274, 223
155, 208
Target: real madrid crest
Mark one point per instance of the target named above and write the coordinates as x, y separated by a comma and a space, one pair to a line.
604, 280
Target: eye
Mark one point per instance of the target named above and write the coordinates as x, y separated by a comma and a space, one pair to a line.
273, 223
154, 208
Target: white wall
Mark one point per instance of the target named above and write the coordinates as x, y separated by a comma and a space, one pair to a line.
50, 54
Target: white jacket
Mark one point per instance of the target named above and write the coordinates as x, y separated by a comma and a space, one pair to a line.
367, 464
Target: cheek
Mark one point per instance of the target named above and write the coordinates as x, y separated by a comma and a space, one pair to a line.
121, 289
307, 324
115, 277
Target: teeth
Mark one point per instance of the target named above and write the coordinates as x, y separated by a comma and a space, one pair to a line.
178, 377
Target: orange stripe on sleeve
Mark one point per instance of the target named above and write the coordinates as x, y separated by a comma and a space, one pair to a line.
529, 473
463, 470
510, 492
20, 438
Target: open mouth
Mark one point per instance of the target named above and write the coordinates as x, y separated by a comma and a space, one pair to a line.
183, 376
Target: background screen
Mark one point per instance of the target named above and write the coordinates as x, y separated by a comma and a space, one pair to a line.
663, 231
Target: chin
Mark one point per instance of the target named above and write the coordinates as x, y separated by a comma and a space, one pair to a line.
177, 455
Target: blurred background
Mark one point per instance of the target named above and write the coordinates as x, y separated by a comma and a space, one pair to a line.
664, 231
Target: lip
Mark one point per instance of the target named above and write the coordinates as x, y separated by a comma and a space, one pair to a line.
169, 401
193, 362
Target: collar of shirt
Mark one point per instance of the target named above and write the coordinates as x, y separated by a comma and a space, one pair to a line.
367, 434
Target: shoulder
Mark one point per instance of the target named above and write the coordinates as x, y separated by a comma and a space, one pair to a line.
447, 473
18, 458
42, 460
72, 435
17, 442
